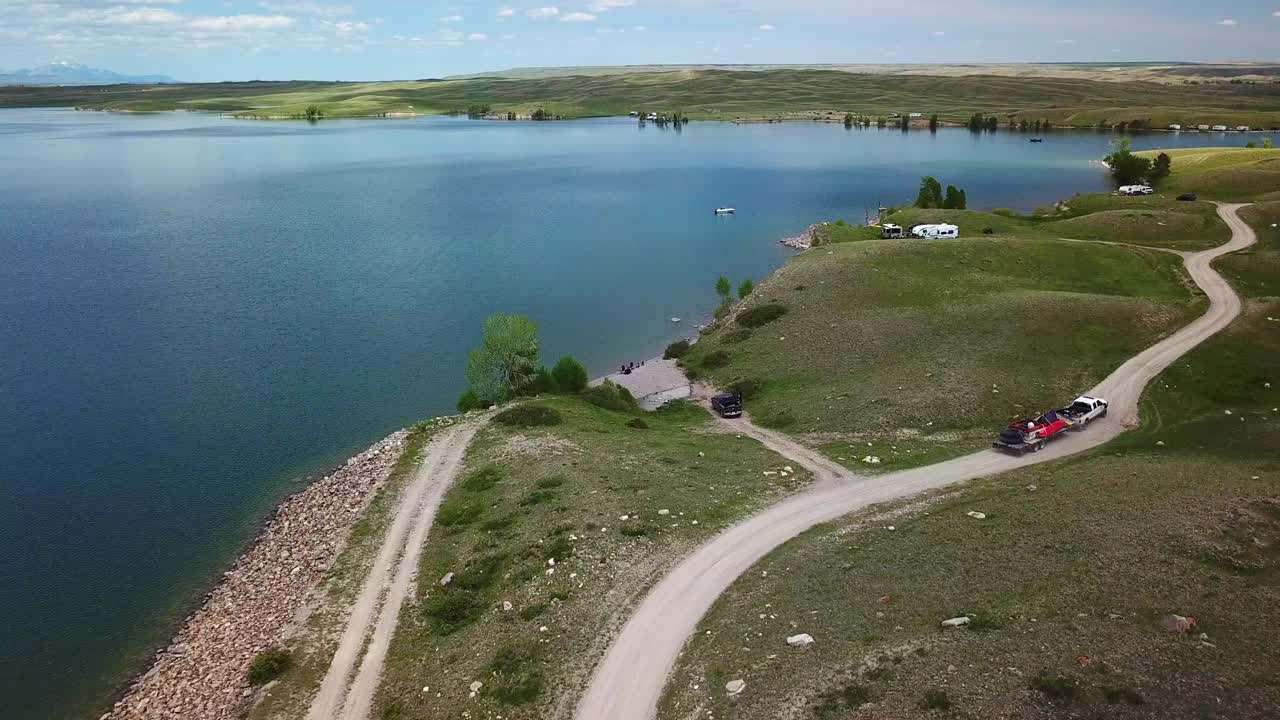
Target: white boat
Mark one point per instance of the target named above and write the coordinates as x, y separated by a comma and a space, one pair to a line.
725, 211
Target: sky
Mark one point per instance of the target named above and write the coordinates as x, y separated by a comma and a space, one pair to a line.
211, 40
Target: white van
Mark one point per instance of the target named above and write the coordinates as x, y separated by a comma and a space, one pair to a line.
939, 231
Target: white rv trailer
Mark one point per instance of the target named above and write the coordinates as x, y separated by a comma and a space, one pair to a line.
936, 231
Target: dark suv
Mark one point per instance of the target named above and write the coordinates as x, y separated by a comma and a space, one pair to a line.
727, 405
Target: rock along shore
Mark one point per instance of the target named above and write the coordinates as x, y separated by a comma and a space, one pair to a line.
804, 240
201, 675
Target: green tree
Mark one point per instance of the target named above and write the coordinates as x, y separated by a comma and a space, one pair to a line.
1127, 168
954, 199
933, 122
570, 375
507, 360
313, 113
905, 121
848, 120
539, 114
468, 401
1161, 167
962, 200
745, 288
723, 288
1267, 144
930, 195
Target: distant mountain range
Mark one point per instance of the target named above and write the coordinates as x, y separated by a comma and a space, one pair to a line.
65, 73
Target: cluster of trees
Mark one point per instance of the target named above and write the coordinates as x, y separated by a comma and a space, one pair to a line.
931, 195
541, 114
860, 120
506, 365
477, 111
1024, 125
1266, 144
1127, 168
724, 289
313, 113
979, 122
1136, 125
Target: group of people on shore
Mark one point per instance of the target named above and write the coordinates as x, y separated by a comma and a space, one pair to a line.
629, 367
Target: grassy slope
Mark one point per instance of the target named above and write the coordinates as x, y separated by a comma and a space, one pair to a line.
708, 94
562, 492
1235, 174
977, 331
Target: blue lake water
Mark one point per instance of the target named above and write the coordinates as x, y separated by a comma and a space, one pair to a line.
197, 313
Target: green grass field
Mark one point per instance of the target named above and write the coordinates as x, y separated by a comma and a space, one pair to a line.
912, 351
1069, 575
1230, 174
1256, 272
706, 94
532, 496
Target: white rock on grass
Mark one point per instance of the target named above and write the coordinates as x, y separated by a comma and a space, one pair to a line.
801, 640
956, 622
735, 687
664, 511
448, 578
976, 515
506, 606
475, 686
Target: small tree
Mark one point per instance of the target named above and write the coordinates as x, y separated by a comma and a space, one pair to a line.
905, 121
1267, 144
1161, 167
745, 288
933, 122
313, 113
930, 195
507, 359
570, 375
723, 288
954, 199
1127, 168
848, 120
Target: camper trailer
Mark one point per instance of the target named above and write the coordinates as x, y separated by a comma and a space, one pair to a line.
889, 231
938, 231
1175, 127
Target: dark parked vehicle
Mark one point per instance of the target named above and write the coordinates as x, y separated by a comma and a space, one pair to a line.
1187, 197
727, 405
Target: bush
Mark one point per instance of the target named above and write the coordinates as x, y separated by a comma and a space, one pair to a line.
454, 609
746, 387
527, 416
610, 396
537, 497
459, 511
1117, 695
569, 375
988, 231
480, 574
715, 359
1056, 687
761, 315
638, 424
543, 383
482, 479
553, 481
635, 530
515, 674
745, 289
269, 665
470, 401
735, 336
778, 419
722, 311
936, 700
676, 349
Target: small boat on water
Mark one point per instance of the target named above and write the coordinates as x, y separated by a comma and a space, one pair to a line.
725, 211
1037, 139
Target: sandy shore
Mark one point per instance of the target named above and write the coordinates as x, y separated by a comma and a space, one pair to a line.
201, 675
653, 383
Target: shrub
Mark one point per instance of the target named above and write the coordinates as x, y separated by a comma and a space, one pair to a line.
559, 548
516, 674
483, 479
543, 382
988, 231
527, 416
778, 419
761, 315
610, 396
454, 609
936, 700
1056, 687
676, 349
570, 375
715, 359
469, 401
1117, 695
481, 573
537, 497
635, 530
735, 336
269, 665
459, 511
553, 481
745, 289
746, 387
499, 523
637, 424
722, 311
530, 612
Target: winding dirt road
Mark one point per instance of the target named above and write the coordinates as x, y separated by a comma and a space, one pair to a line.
628, 684
365, 639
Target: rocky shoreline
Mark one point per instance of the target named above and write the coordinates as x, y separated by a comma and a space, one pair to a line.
201, 675
804, 240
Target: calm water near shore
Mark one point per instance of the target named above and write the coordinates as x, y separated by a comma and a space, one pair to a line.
198, 313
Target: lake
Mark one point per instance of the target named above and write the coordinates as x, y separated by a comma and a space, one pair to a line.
198, 313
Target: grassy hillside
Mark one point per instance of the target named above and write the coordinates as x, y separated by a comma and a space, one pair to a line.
716, 94
1256, 272
916, 350
1234, 174
1067, 579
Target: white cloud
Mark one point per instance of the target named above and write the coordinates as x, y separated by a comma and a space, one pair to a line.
305, 7
640, 28
506, 11
1227, 22
1276, 14
542, 12
578, 17
141, 16
477, 36
1067, 42
766, 28
607, 5
242, 23
939, 33
351, 28
451, 19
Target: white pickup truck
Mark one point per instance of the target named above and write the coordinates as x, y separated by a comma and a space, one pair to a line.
1084, 410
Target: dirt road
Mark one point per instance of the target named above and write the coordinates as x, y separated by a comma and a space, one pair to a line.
628, 684
365, 639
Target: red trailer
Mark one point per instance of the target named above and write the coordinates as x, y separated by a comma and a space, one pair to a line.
1024, 436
